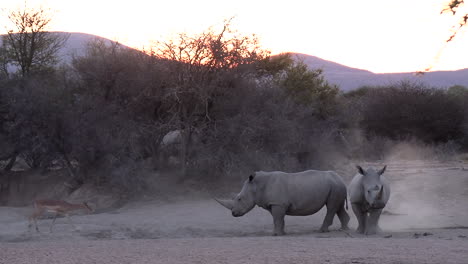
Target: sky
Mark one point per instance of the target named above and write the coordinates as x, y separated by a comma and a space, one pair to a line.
375, 35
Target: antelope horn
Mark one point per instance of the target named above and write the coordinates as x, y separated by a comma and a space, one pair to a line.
226, 203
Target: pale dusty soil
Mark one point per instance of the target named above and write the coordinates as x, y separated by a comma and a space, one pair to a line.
426, 221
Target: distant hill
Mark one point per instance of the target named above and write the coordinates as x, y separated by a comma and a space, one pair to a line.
347, 78
351, 78
76, 44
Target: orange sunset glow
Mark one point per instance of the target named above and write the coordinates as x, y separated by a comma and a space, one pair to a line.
380, 36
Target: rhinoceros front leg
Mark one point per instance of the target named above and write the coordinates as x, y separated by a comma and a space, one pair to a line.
361, 217
278, 212
373, 221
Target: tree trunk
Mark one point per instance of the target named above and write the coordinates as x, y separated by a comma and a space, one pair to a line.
11, 162
75, 182
185, 155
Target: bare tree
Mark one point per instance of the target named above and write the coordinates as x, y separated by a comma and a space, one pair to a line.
453, 7
202, 67
28, 45
4, 61
102, 67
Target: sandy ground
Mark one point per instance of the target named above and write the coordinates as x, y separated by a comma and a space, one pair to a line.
426, 221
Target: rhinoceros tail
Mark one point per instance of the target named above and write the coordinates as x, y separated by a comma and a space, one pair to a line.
346, 202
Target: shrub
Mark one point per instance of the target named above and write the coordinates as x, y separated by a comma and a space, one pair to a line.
410, 110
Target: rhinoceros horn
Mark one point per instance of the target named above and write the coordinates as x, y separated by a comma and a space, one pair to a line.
226, 203
379, 196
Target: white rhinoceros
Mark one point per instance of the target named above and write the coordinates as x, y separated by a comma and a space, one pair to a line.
300, 194
368, 193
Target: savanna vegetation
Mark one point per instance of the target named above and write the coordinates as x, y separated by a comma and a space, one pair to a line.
210, 107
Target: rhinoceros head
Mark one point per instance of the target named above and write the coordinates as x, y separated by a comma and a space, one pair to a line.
372, 186
244, 201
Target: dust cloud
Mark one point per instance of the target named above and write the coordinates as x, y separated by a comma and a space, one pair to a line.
428, 193
428, 190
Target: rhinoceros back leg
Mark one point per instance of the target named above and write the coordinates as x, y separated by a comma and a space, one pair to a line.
360, 216
335, 204
332, 209
278, 212
344, 218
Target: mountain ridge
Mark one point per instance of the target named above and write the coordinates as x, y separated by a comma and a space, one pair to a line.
347, 78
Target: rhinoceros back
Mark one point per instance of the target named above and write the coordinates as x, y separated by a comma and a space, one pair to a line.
303, 193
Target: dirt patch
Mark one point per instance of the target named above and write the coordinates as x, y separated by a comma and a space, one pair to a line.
425, 222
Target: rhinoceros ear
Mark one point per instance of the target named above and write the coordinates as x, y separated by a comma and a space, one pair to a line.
360, 170
382, 170
251, 177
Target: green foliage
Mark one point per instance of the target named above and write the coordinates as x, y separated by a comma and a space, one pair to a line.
309, 87
362, 91
274, 65
408, 110
458, 91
